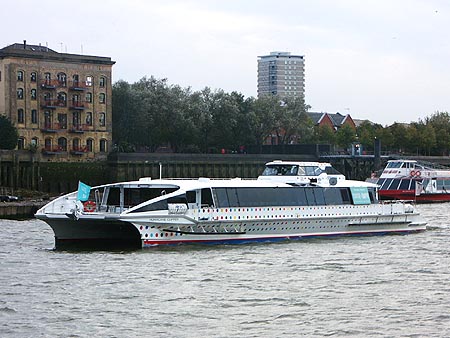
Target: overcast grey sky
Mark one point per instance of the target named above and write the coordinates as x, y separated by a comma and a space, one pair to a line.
384, 60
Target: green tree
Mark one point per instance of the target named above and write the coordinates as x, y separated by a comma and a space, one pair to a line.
440, 121
8, 132
345, 136
262, 116
325, 134
367, 132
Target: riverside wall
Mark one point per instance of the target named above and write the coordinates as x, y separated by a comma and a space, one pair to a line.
20, 170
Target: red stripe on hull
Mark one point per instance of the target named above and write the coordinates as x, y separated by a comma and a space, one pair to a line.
409, 195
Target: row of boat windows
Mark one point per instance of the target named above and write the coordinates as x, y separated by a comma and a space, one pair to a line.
261, 197
399, 184
409, 184
394, 165
296, 170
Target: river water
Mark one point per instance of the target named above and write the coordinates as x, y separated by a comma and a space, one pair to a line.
380, 286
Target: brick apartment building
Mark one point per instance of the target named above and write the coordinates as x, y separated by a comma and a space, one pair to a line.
60, 103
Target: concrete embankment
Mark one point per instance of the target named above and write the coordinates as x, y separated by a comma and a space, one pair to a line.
18, 210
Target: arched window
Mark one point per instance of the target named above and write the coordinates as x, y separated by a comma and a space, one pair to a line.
76, 144
89, 118
48, 144
48, 120
89, 97
102, 119
102, 97
90, 145
62, 144
20, 93
62, 99
33, 77
62, 79
34, 142
33, 94
102, 81
20, 116
34, 116
48, 78
19, 75
75, 80
89, 81
76, 120
21, 143
103, 146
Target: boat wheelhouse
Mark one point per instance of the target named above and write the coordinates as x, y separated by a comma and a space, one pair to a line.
301, 173
179, 211
410, 180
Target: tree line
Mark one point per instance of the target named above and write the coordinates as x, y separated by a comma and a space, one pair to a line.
151, 113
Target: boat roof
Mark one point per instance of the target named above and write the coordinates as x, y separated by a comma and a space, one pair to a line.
324, 164
203, 182
408, 161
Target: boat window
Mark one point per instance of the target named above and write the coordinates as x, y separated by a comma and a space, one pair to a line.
320, 198
394, 184
295, 196
135, 196
345, 196
313, 171
386, 184
332, 196
310, 197
163, 204
332, 171
381, 181
206, 198
160, 205
404, 184
114, 196
372, 195
191, 196
233, 199
280, 170
221, 198
179, 199
447, 184
394, 165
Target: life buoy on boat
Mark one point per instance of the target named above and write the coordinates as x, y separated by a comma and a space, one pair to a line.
418, 173
89, 206
412, 173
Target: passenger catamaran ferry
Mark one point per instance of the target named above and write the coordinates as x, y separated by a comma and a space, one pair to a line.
410, 180
290, 200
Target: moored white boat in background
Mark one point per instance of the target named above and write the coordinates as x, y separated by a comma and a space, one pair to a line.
275, 207
410, 180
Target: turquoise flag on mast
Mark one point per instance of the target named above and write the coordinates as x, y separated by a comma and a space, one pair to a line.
83, 191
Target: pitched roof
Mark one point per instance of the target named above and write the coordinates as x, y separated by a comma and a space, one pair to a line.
24, 46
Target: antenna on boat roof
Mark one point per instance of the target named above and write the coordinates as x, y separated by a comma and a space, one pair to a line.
160, 170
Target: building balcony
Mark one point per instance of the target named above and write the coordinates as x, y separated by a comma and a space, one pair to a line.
52, 104
77, 86
79, 150
53, 127
77, 105
53, 150
80, 128
53, 84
